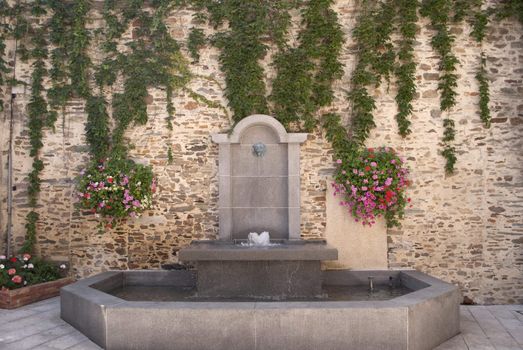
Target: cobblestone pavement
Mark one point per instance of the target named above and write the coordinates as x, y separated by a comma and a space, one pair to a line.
39, 326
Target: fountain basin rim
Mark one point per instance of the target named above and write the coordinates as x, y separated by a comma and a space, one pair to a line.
419, 320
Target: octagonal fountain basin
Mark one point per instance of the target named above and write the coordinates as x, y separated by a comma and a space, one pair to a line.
161, 310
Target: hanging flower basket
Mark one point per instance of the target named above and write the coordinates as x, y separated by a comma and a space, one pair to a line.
116, 189
372, 184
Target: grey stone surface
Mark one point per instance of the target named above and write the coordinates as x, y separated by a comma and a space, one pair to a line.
433, 320
290, 250
84, 307
263, 279
419, 320
188, 326
273, 220
259, 190
333, 327
179, 278
503, 320
259, 133
354, 278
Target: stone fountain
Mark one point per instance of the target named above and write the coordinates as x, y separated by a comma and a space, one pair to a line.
259, 190
261, 296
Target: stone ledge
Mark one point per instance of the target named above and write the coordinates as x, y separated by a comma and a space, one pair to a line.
229, 251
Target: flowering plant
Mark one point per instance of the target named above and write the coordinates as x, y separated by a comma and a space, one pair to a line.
372, 183
116, 189
22, 270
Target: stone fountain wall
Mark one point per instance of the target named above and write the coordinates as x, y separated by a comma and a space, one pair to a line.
465, 229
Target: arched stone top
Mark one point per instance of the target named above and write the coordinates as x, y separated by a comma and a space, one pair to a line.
271, 123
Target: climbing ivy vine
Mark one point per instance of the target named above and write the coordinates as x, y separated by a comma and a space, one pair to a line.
510, 8
195, 42
305, 73
375, 60
38, 113
242, 47
406, 69
439, 13
479, 21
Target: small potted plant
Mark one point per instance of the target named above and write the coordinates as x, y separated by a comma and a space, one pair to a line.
372, 184
25, 279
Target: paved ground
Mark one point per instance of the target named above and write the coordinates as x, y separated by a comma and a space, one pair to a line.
38, 326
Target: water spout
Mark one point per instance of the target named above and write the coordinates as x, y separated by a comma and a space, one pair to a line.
371, 284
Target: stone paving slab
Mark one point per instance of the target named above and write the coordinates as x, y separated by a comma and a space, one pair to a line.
39, 327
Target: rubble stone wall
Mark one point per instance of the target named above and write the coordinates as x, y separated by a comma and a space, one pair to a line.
466, 228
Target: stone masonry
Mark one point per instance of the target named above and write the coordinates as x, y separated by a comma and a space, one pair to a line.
466, 228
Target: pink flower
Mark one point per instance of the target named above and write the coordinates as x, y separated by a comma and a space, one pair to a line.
388, 182
136, 203
393, 161
87, 195
11, 272
124, 181
364, 188
153, 187
373, 164
339, 161
16, 279
26, 256
101, 204
374, 177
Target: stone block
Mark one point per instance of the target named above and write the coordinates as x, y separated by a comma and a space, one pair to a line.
263, 279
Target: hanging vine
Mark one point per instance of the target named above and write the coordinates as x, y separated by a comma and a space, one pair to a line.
59, 36
3, 69
406, 70
375, 61
242, 47
305, 74
479, 25
79, 60
241, 50
195, 42
510, 8
37, 113
439, 11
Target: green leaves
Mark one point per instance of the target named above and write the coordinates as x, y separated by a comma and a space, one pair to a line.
375, 61
97, 126
241, 50
484, 94
305, 74
439, 13
406, 69
195, 42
